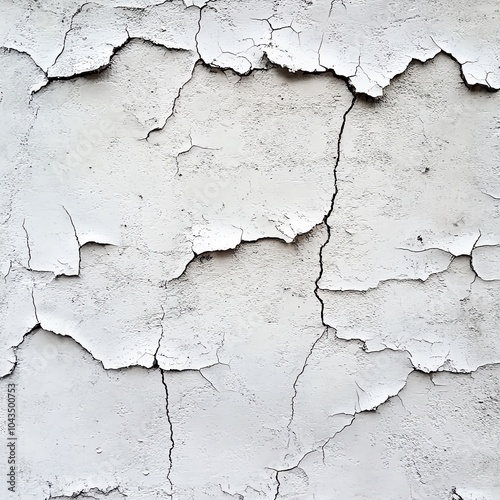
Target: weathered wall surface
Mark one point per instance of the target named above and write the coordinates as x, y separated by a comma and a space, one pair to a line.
250, 250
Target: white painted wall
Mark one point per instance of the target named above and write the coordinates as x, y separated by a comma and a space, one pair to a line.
250, 249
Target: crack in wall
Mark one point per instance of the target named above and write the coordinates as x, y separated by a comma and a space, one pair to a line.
167, 411
316, 290
234, 248
87, 494
309, 354
80, 8
375, 91
9, 269
76, 238
106, 65
325, 219
27, 245
156, 364
486, 86
349, 424
172, 112
188, 150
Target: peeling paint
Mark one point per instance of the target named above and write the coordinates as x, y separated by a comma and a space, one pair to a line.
250, 249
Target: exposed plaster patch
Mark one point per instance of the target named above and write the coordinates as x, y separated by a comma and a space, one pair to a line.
368, 45
93, 494
486, 261
447, 322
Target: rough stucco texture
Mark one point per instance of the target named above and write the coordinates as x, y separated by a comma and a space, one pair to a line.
250, 249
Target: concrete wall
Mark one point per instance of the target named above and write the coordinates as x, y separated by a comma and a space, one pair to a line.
250, 249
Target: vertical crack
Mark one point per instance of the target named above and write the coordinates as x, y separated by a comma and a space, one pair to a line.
67, 33
202, 8
27, 245
8, 271
316, 289
198, 32
325, 331
155, 362
167, 410
327, 216
76, 237
172, 443
34, 306
471, 259
278, 485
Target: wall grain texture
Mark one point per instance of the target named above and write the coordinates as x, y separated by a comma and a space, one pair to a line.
250, 250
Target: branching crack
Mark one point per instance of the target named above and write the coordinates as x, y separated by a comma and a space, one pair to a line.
329, 439
94, 71
332, 3
186, 151
197, 34
156, 363
469, 255
273, 29
325, 332
316, 290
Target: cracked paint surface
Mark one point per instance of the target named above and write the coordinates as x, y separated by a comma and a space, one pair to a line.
250, 249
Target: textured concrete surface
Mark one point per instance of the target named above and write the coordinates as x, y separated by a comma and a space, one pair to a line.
250, 250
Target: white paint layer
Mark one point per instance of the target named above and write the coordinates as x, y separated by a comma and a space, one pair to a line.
249, 250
